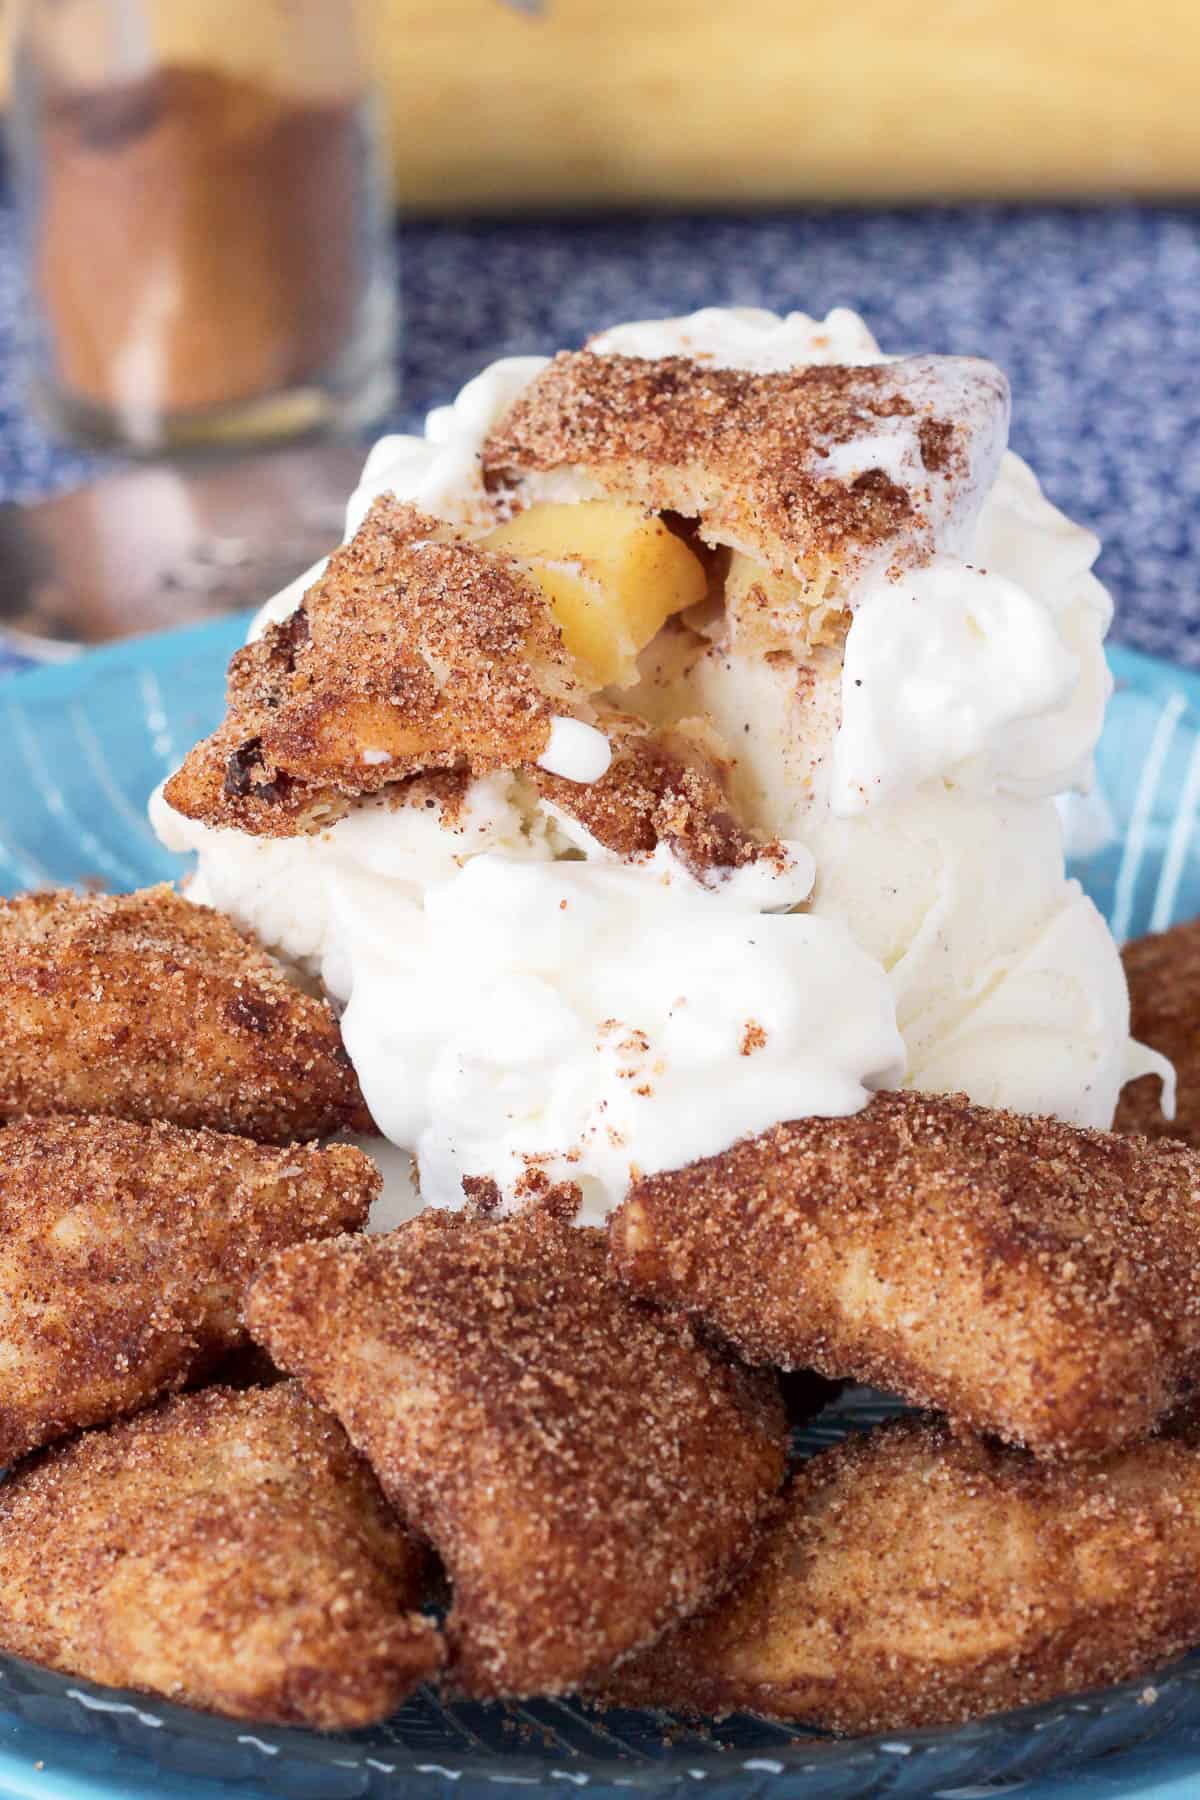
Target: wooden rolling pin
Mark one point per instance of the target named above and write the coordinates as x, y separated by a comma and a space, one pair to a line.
702, 102
708, 101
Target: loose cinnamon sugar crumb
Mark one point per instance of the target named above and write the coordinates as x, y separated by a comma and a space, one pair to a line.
746, 452
414, 652
1031, 1279
588, 1469
534, 1187
753, 1037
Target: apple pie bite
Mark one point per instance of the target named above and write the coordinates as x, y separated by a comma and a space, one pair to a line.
429, 646
810, 476
145, 1006
589, 1470
1163, 971
124, 1252
415, 651
915, 1577
225, 1550
1034, 1280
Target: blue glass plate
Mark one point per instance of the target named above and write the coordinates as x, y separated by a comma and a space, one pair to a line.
83, 744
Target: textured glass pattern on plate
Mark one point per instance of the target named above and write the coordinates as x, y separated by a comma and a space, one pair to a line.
82, 746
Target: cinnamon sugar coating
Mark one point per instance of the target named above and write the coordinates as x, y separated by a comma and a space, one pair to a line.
1163, 972
660, 788
124, 1252
587, 1469
1032, 1280
750, 454
226, 1550
413, 652
144, 1006
919, 1578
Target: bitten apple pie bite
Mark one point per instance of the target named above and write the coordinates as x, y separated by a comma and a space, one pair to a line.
515, 793
415, 651
808, 475
145, 1006
124, 1252
227, 1550
588, 1470
1033, 1280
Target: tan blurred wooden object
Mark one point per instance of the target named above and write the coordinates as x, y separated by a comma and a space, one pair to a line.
743, 101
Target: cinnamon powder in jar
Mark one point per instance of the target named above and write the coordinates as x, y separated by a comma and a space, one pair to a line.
197, 243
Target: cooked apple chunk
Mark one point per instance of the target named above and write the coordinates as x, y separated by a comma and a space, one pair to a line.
613, 574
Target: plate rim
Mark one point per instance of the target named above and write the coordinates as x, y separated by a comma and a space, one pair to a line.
21, 1679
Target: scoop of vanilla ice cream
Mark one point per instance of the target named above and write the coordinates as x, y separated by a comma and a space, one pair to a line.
746, 337
951, 886
519, 1003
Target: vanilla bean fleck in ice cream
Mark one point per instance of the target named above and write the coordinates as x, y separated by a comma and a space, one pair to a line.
780, 826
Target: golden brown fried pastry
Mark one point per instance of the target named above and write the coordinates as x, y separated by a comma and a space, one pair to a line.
124, 1253
1163, 972
588, 1471
661, 787
226, 1550
784, 466
413, 651
918, 1578
1031, 1279
144, 1006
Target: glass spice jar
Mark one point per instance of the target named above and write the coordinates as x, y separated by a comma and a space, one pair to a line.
204, 201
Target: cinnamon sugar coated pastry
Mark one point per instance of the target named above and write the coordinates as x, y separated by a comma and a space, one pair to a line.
227, 1550
1030, 1279
124, 1253
918, 1578
144, 1006
1163, 971
772, 464
589, 1472
661, 787
414, 651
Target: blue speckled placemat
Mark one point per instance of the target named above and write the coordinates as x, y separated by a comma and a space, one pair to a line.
1094, 312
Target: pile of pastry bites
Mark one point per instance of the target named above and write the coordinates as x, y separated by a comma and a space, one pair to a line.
248, 1443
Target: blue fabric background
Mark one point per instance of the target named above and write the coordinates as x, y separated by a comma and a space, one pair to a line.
1094, 312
